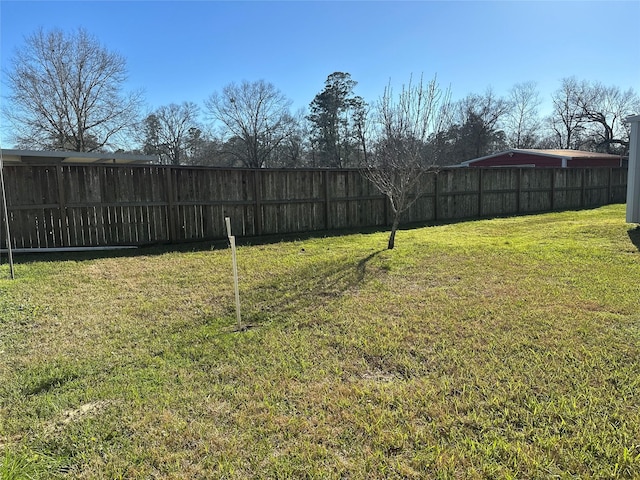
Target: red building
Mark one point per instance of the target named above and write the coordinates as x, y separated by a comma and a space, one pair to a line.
547, 158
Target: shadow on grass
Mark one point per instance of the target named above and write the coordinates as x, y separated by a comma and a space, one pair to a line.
362, 264
634, 236
304, 288
23, 257
26, 257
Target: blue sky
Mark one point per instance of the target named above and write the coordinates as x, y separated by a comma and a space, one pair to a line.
185, 51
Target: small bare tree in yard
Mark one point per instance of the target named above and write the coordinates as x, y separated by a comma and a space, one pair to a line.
399, 163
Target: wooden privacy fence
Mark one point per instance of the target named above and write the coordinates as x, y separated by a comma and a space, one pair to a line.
108, 205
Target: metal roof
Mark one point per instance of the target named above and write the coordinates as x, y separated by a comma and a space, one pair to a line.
564, 153
555, 153
38, 156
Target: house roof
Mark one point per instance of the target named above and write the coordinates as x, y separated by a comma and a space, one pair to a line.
37, 156
553, 153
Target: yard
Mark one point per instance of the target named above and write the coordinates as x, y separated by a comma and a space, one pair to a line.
504, 348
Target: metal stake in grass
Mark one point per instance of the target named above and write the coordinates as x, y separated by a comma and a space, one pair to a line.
232, 241
5, 211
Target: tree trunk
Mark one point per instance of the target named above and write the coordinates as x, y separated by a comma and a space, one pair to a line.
394, 228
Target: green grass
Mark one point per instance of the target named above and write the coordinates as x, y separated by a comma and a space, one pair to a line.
504, 348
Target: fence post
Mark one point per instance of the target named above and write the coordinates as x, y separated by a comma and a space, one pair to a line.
62, 207
480, 199
172, 216
326, 199
347, 203
583, 190
518, 189
553, 189
257, 194
435, 196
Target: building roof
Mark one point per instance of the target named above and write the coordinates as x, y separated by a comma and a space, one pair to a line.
553, 153
37, 156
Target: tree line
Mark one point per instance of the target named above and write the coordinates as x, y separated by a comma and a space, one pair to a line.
67, 93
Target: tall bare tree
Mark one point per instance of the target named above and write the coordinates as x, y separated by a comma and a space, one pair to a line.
66, 93
255, 116
591, 116
522, 121
567, 121
480, 119
405, 122
292, 151
170, 131
475, 129
604, 109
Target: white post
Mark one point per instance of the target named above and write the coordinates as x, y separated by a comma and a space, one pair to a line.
232, 241
6, 218
633, 177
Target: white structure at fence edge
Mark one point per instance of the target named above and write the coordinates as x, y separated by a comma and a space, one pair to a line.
633, 179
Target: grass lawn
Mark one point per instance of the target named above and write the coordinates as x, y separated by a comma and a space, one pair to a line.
505, 348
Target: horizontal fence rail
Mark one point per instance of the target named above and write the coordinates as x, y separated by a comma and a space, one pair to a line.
53, 206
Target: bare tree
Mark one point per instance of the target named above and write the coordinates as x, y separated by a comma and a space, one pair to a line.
566, 120
479, 118
362, 125
405, 122
292, 151
591, 116
170, 131
522, 121
604, 109
255, 116
66, 94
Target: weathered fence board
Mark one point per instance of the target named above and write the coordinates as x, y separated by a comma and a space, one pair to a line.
99, 205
